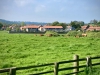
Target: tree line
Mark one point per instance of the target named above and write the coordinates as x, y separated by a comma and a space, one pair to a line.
75, 24
96, 22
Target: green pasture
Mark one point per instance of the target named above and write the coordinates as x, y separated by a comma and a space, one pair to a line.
18, 50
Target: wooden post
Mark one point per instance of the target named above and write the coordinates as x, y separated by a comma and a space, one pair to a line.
76, 64
89, 63
56, 66
12, 71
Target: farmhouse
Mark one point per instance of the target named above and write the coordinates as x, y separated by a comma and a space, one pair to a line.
13, 28
30, 28
51, 28
91, 28
70, 28
39, 28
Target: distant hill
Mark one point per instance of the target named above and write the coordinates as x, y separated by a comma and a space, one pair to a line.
6, 22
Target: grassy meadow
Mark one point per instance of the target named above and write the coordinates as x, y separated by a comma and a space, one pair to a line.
18, 50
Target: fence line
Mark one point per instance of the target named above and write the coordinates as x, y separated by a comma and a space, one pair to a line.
75, 67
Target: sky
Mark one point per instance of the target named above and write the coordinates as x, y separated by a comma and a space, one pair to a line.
50, 10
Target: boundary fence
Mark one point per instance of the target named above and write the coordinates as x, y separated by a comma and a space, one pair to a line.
76, 66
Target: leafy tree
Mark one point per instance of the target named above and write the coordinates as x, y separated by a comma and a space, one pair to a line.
75, 25
63, 25
93, 21
81, 23
1, 25
55, 23
8, 29
99, 23
23, 24
48, 23
17, 29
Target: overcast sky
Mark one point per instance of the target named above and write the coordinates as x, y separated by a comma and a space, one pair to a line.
50, 10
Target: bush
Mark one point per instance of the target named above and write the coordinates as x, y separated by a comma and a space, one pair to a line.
51, 33
41, 35
94, 34
79, 34
74, 33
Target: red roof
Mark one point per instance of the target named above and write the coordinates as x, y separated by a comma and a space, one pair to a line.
68, 26
31, 26
35, 26
83, 27
52, 27
91, 28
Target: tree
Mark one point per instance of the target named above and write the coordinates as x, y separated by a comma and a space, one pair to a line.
8, 29
93, 21
63, 25
23, 24
99, 22
81, 23
55, 23
75, 25
17, 29
1, 25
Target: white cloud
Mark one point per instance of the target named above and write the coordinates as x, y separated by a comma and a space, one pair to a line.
40, 8
23, 2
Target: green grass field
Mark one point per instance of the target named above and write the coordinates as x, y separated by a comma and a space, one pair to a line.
18, 50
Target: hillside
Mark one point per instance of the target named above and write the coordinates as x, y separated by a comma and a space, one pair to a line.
6, 22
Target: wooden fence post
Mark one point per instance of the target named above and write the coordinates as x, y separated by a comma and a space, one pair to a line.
89, 63
76, 64
56, 66
12, 71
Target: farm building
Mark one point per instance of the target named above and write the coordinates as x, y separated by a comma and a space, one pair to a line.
36, 28
91, 28
70, 28
51, 28
30, 28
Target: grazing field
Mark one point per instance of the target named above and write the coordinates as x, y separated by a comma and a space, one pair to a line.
26, 49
